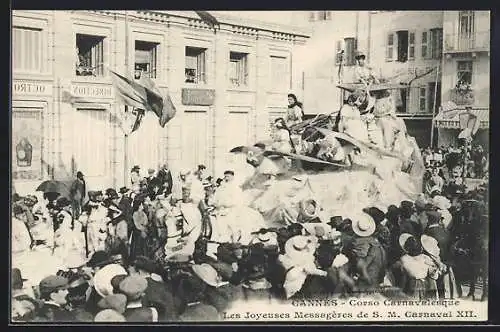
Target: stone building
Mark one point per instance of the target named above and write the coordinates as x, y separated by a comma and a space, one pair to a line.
226, 85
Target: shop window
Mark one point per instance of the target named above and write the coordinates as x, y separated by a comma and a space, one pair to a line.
90, 55
27, 49
195, 69
238, 69
146, 59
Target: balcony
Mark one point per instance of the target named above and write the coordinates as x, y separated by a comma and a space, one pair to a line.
462, 98
477, 42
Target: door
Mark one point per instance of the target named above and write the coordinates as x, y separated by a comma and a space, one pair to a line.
195, 138
145, 143
91, 146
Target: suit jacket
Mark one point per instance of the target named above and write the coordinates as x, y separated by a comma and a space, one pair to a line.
443, 238
165, 178
162, 299
78, 190
54, 313
199, 312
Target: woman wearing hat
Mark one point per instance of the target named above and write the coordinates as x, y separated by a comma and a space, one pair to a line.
362, 72
135, 178
418, 270
138, 239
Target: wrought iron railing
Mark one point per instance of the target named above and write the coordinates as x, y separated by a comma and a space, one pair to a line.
477, 41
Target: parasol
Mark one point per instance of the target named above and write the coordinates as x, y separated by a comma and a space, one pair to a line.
54, 186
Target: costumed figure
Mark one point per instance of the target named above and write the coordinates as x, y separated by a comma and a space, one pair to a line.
294, 112
281, 137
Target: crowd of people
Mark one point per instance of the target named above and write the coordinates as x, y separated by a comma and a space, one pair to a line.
146, 253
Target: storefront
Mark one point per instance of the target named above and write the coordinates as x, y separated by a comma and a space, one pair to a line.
449, 128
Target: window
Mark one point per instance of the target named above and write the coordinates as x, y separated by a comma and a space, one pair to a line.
280, 73
424, 44
26, 49
90, 50
411, 46
422, 100
146, 59
464, 72
389, 55
434, 93
434, 44
403, 44
238, 69
466, 19
350, 51
324, 15
195, 70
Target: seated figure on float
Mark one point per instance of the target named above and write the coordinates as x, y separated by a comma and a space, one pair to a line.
363, 72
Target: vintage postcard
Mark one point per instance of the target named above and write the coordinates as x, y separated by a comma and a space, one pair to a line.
225, 166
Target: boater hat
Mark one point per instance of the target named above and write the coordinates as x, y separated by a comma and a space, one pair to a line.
363, 225
360, 55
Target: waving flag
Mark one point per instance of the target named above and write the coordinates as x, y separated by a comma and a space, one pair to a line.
144, 95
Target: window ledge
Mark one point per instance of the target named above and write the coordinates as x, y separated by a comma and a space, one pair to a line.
92, 79
32, 76
240, 89
197, 86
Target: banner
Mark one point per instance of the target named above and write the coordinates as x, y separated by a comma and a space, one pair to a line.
26, 144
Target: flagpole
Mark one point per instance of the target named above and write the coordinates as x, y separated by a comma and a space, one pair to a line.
125, 138
434, 107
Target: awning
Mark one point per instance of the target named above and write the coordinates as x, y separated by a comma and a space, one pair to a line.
442, 121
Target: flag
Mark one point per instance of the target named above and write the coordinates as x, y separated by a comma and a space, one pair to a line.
162, 105
208, 19
144, 95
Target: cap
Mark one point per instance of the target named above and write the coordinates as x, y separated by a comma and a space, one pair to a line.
117, 302
228, 172
52, 284
133, 287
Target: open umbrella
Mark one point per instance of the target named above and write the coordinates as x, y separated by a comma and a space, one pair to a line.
54, 186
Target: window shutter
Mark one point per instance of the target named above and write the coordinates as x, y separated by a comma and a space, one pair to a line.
245, 69
411, 45
424, 45
389, 55
338, 49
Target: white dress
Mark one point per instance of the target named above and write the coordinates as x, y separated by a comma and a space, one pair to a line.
352, 123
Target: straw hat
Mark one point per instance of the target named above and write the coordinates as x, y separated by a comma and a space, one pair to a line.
208, 274
441, 202
102, 279
363, 225
430, 245
403, 238
317, 229
300, 245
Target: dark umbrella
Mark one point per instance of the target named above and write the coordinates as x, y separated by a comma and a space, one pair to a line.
54, 186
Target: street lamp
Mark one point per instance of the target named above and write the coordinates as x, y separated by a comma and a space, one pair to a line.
469, 124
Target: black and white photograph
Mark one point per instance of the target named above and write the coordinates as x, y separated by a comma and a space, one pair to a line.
176, 166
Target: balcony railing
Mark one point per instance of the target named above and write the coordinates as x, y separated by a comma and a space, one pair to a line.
478, 41
464, 98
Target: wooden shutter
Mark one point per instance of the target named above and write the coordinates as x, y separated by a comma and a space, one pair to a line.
390, 42
200, 66
424, 44
411, 45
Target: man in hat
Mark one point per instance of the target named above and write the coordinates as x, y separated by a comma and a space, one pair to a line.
125, 205
191, 291
406, 224
157, 293
362, 72
419, 217
165, 178
382, 233
134, 287
369, 255
77, 194
79, 291
53, 291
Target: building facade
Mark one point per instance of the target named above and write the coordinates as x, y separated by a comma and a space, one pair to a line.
402, 46
466, 72
226, 85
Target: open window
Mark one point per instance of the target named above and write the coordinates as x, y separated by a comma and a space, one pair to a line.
146, 58
403, 43
90, 55
238, 69
195, 68
422, 99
